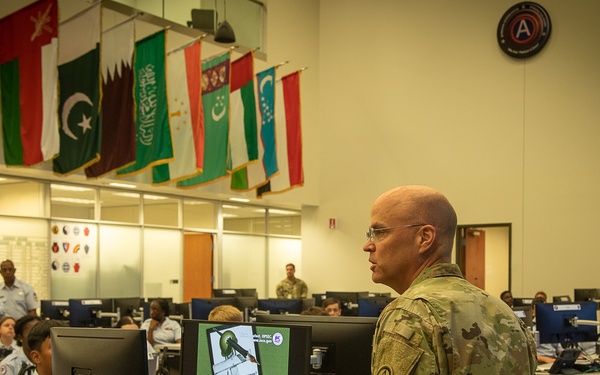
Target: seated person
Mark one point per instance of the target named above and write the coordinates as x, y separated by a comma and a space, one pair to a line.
7, 337
333, 306
507, 297
12, 364
315, 310
546, 353
40, 346
161, 329
541, 294
225, 313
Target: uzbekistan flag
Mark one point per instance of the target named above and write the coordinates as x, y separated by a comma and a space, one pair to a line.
29, 84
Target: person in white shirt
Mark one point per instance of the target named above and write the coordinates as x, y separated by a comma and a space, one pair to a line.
161, 329
17, 298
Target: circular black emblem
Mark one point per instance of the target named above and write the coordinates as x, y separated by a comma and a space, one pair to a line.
524, 30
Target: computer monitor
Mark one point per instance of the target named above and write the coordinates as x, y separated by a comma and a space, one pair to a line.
555, 322
591, 294
520, 301
250, 348
561, 299
280, 305
201, 307
184, 309
90, 312
344, 340
227, 292
349, 301
372, 306
92, 351
525, 313
131, 306
54, 309
319, 298
249, 292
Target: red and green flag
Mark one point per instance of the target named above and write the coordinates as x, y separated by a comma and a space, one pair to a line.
154, 144
29, 84
185, 110
79, 81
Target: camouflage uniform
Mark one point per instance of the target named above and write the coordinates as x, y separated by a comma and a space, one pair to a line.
291, 289
444, 325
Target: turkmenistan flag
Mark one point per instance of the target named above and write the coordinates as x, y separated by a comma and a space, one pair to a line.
118, 123
257, 174
79, 79
154, 144
29, 84
215, 101
185, 108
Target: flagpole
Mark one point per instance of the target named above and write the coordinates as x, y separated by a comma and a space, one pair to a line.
187, 44
124, 21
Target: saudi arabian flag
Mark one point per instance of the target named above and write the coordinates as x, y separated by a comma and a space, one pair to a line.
79, 81
154, 144
215, 100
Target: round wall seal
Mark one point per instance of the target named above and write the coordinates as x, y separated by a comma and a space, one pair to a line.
524, 30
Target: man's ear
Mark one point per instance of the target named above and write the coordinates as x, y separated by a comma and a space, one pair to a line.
35, 357
426, 238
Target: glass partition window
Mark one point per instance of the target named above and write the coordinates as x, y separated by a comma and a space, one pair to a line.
285, 222
247, 219
74, 202
21, 198
199, 214
120, 206
161, 210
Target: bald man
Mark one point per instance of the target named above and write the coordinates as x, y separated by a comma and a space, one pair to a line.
440, 323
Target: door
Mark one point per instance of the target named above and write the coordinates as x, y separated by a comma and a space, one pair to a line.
475, 257
197, 265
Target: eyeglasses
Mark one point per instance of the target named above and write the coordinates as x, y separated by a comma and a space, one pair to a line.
372, 232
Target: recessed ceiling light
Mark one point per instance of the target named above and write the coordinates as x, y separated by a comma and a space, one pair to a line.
239, 199
119, 184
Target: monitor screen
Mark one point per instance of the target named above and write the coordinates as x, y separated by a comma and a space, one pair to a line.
554, 322
87, 312
227, 292
280, 305
587, 294
525, 313
349, 301
372, 306
244, 348
201, 307
58, 310
131, 306
91, 351
344, 340
522, 301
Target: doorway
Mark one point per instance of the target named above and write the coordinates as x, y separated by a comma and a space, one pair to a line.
483, 253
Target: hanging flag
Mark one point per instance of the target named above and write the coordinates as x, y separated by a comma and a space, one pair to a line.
242, 103
184, 73
289, 137
28, 84
257, 174
215, 101
79, 82
118, 123
154, 144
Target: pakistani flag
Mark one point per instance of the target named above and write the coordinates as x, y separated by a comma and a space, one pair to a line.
79, 81
215, 101
154, 144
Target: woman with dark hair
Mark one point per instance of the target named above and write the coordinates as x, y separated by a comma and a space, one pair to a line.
161, 329
17, 359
